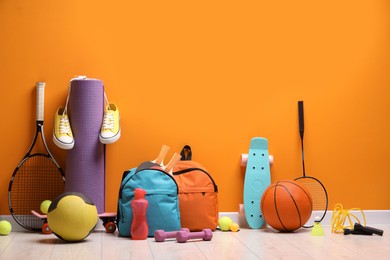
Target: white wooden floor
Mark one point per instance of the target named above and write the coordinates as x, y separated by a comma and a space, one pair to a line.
245, 244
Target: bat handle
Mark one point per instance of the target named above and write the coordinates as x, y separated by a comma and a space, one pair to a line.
169, 167
40, 100
163, 152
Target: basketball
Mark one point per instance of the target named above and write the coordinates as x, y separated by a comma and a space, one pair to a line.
72, 216
286, 205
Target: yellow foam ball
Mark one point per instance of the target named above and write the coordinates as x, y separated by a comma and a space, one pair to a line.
5, 227
45, 206
224, 223
72, 216
234, 227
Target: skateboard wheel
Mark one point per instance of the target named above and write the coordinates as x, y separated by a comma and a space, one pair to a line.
46, 229
244, 159
110, 227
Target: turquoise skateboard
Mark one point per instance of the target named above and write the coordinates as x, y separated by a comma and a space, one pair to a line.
257, 179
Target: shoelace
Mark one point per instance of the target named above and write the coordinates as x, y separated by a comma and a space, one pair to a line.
64, 126
108, 120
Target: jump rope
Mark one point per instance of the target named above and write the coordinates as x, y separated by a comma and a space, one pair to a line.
341, 215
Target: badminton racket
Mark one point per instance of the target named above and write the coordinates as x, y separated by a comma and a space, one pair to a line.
313, 185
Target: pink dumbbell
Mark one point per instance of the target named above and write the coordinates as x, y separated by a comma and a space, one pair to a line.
161, 235
205, 234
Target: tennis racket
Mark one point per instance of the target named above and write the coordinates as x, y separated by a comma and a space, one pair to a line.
314, 186
37, 177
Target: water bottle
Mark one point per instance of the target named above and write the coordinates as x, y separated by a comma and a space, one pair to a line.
139, 226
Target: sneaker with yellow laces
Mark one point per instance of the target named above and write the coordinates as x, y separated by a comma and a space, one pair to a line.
62, 134
110, 130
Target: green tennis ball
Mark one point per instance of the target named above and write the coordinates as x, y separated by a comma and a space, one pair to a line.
45, 206
5, 227
224, 223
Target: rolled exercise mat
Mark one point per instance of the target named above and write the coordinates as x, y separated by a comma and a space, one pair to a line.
85, 163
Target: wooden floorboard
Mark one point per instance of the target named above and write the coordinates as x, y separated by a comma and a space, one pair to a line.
248, 244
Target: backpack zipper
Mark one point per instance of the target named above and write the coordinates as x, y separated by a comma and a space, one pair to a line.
197, 169
124, 184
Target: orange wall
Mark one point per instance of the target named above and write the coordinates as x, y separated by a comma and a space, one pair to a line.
212, 74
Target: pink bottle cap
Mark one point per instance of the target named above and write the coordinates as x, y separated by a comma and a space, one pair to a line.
139, 193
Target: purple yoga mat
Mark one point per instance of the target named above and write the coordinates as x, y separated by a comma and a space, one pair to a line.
85, 162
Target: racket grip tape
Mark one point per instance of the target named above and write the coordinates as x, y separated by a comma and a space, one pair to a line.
40, 100
301, 120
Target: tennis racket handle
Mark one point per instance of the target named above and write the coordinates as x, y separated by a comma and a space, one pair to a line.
301, 121
40, 100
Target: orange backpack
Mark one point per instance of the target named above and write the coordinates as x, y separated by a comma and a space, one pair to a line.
198, 194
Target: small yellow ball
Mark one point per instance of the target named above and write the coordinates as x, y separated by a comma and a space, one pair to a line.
224, 223
5, 227
234, 227
45, 206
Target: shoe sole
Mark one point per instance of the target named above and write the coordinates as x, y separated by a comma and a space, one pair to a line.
61, 144
110, 140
